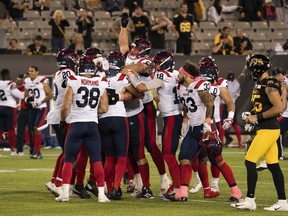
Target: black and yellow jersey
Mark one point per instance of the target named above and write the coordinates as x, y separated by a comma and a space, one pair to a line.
183, 25
261, 102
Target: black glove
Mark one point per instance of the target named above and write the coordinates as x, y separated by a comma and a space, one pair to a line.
63, 130
113, 96
124, 20
29, 101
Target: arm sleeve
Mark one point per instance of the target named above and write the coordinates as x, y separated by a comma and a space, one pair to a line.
154, 84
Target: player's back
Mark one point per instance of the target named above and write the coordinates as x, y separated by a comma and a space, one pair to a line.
169, 103
60, 84
86, 98
6, 97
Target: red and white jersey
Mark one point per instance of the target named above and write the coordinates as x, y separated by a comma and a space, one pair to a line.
59, 87
8, 93
285, 80
215, 91
196, 110
169, 103
86, 97
117, 82
36, 87
222, 83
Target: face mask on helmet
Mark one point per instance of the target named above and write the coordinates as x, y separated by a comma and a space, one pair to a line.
211, 144
116, 63
206, 61
209, 72
92, 53
140, 48
66, 58
258, 64
164, 61
86, 66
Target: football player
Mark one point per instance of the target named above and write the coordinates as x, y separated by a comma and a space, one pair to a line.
37, 94
165, 81
84, 98
267, 105
8, 93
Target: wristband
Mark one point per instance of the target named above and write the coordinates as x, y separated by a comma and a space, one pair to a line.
260, 116
121, 96
134, 80
231, 115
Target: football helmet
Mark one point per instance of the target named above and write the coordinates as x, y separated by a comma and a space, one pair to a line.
211, 144
144, 45
92, 52
86, 66
66, 58
116, 62
258, 64
209, 72
164, 60
206, 61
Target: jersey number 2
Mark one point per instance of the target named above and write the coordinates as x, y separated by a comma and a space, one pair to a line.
2, 95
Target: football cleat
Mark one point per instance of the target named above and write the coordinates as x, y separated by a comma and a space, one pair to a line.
146, 193
215, 187
91, 187
62, 199
172, 197
115, 195
208, 193
36, 156
56, 191
131, 186
246, 204
80, 191
196, 187
262, 166
281, 205
49, 185
165, 186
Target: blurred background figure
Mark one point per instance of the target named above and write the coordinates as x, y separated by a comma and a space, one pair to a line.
41, 5
58, 23
13, 44
16, 9
3, 31
85, 25
250, 10
132, 4
77, 44
37, 48
240, 38
114, 5
141, 23
269, 12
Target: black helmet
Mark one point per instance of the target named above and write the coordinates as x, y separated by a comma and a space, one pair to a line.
66, 58
92, 52
116, 62
209, 72
144, 45
258, 64
86, 66
164, 60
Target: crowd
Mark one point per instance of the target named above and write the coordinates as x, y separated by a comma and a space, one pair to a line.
104, 109
143, 24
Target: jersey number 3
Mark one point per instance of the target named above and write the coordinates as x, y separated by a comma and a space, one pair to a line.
89, 97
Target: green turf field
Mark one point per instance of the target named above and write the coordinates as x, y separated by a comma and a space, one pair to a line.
23, 192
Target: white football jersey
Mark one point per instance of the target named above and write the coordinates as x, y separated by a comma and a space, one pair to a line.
86, 97
117, 82
285, 113
8, 93
233, 88
196, 110
36, 87
222, 83
59, 87
169, 103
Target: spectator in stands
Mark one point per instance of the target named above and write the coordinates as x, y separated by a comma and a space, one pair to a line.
240, 36
13, 44
156, 34
93, 5
269, 12
41, 5
85, 24
250, 10
215, 11
241, 48
200, 11
3, 10
132, 4
37, 48
191, 6
116, 25
223, 42
141, 23
114, 5
184, 25
16, 9
58, 23
3, 30
74, 5
77, 44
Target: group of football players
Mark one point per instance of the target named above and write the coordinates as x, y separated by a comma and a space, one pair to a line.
105, 109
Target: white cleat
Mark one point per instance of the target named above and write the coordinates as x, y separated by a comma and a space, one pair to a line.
196, 187
247, 204
57, 191
165, 185
215, 187
62, 198
49, 185
103, 199
262, 166
281, 205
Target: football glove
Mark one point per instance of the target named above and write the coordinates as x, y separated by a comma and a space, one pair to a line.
249, 127
112, 96
206, 128
227, 123
124, 20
